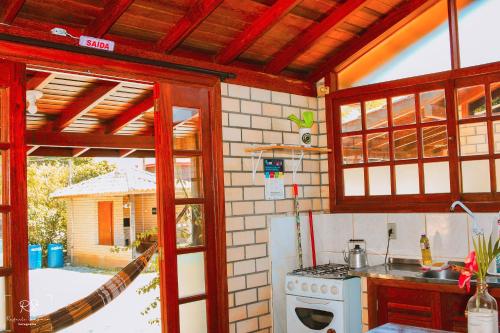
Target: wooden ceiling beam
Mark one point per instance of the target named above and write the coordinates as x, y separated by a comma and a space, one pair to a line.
77, 152
84, 104
305, 40
39, 80
254, 31
113, 10
88, 140
375, 33
198, 12
126, 117
10, 11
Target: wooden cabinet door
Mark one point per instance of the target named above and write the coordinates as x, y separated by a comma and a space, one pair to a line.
408, 307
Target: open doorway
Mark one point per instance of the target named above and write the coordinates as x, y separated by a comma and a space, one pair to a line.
94, 208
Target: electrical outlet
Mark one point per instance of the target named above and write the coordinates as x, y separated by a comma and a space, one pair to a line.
392, 226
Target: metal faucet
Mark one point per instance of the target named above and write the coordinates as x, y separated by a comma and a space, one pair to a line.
476, 229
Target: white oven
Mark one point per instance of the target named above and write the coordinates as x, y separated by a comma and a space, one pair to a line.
323, 303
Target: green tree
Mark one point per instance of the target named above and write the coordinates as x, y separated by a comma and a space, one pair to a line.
47, 217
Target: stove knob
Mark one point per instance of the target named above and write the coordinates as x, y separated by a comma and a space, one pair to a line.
324, 289
305, 287
290, 285
334, 290
314, 288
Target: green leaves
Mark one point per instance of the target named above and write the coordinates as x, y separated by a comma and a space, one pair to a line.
307, 122
486, 252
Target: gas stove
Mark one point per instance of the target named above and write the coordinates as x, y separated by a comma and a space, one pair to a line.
327, 271
323, 299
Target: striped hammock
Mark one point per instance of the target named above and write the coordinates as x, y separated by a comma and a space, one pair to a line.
89, 305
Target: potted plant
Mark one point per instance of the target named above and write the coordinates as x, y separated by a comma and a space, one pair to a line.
482, 309
304, 125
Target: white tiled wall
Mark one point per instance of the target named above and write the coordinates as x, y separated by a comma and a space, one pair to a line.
449, 234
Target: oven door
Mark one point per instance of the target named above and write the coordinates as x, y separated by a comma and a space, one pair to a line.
306, 315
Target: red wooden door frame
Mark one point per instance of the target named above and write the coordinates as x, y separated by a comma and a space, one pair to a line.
207, 101
16, 210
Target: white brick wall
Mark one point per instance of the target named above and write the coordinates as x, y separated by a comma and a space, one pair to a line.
253, 117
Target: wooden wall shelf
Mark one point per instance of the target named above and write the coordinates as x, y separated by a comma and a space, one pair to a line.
284, 147
296, 162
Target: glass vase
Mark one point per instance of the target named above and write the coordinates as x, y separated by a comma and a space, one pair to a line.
482, 311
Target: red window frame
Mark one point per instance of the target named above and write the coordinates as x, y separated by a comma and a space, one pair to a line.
449, 81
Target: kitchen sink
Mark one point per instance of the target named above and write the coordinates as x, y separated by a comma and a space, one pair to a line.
441, 275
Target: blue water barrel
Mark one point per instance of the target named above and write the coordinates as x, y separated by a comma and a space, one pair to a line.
55, 256
35, 256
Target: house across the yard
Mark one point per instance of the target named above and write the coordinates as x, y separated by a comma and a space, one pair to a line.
108, 211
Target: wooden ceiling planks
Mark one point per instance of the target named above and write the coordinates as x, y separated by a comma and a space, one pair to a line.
295, 48
288, 38
392, 20
200, 10
113, 10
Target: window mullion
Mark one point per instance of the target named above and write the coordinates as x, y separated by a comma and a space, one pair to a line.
453, 151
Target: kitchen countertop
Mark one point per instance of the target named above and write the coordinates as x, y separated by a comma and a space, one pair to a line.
393, 328
409, 272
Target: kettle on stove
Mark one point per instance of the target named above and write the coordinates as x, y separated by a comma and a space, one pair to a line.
356, 255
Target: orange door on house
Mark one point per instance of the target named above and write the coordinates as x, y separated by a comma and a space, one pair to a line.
105, 221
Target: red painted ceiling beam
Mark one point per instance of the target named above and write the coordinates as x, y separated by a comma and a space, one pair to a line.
193, 18
392, 21
304, 41
129, 115
109, 15
11, 10
86, 140
266, 21
84, 104
39, 80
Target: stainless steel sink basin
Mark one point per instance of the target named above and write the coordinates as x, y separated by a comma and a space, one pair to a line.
441, 275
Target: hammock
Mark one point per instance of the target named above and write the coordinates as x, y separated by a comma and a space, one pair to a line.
89, 305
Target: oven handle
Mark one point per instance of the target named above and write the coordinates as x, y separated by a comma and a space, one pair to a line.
311, 301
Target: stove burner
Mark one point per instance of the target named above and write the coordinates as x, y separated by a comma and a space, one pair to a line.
328, 271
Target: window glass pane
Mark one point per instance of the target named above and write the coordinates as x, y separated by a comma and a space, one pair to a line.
405, 144
473, 139
495, 97
191, 274
437, 177
435, 141
376, 113
187, 175
478, 28
432, 106
496, 135
351, 117
380, 180
476, 176
497, 172
190, 225
403, 110
352, 149
187, 129
354, 181
193, 317
3, 305
420, 47
471, 102
407, 181
378, 147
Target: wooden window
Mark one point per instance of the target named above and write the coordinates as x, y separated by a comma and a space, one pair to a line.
105, 222
431, 139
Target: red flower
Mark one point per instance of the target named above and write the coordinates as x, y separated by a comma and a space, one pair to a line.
464, 279
468, 271
471, 262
